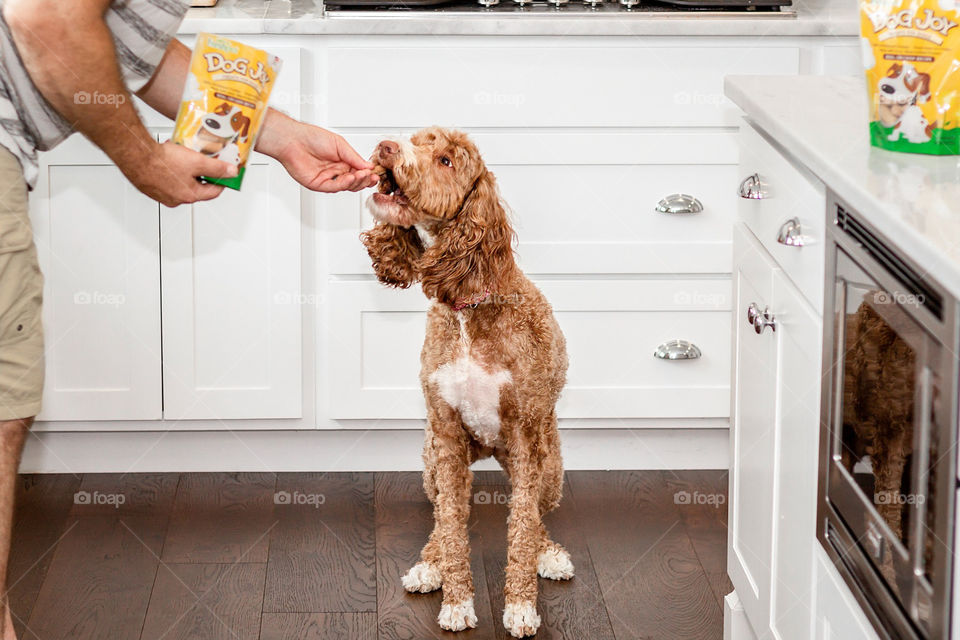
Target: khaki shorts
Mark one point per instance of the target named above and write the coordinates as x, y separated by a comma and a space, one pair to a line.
21, 297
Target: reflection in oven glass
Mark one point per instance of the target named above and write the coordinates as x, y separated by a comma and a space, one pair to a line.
878, 398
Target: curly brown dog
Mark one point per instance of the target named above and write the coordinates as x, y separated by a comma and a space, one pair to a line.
492, 367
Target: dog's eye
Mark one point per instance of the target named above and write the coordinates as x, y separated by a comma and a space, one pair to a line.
445, 161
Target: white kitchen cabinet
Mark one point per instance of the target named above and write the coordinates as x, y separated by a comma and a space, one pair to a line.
586, 203
98, 243
534, 82
232, 301
798, 338
752, 432
374, 375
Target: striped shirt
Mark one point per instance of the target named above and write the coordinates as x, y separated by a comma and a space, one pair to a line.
141, 30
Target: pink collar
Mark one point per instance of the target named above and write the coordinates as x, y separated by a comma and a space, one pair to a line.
463, 303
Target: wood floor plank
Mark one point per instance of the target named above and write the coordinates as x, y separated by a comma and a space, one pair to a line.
319, 626
208, 601
704, 518
99, 582
322, 549
126, 494
653, 585
43, 505
221, 518
404, 519
569, 610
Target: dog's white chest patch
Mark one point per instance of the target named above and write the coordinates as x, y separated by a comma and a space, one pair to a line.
468, 387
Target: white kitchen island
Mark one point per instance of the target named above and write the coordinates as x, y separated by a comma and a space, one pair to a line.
807, 136
248, 333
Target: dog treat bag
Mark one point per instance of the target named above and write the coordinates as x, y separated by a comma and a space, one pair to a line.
911, 50
224, 101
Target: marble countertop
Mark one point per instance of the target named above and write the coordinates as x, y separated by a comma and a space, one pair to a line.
813, 18
912, 199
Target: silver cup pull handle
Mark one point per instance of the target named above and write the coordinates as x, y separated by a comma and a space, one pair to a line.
678, 350
752, 188
791, 233
679, 204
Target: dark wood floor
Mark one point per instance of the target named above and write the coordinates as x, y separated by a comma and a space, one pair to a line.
211, 556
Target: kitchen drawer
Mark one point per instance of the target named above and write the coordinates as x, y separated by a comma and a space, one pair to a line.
612, 329
586, 203
541, 85
788, 193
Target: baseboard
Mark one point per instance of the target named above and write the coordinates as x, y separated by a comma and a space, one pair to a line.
277, 451
736, 626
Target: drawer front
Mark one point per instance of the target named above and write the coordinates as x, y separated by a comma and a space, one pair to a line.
496, 86
789, 194
586, 203
612, 328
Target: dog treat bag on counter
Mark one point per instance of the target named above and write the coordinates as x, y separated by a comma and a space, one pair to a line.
911, 50
224, 101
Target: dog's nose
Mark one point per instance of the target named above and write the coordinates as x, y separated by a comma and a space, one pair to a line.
887, 89
213, 124
388, 148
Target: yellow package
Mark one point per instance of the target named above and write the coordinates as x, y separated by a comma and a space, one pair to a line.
224, 101
913, 75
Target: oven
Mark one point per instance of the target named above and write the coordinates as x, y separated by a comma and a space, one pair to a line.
888, 472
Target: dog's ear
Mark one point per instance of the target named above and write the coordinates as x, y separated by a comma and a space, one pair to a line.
394, 251
473, 251
922, 87
244, 127
895, 70
222, 109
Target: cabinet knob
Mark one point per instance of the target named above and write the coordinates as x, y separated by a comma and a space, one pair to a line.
791, 233
677, 350
679, 203
752, 188
760, 320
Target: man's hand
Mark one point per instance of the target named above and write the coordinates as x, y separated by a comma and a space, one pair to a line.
169, 175
318, 159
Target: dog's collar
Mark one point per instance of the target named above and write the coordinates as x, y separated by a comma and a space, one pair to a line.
463, 303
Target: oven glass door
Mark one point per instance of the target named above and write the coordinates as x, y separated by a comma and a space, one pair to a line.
883, 446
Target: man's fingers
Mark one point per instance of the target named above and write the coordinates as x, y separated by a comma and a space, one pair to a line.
213, 168
341, 183
206, 192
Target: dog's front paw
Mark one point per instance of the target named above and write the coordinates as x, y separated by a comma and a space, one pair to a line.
422, 577
457, 617
521, 619
554, 563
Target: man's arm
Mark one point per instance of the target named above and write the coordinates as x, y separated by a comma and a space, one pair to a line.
68, 51
316, 158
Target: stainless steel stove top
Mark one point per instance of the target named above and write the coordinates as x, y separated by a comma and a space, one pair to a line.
543, 8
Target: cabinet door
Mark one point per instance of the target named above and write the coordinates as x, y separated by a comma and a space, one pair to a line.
98, 244
752, 467
798, 337
232, 302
